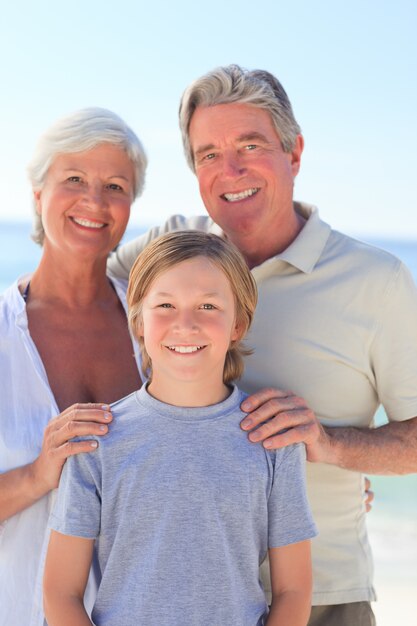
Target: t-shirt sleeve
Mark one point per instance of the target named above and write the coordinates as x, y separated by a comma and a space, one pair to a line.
394, 347
77, 509
289, 516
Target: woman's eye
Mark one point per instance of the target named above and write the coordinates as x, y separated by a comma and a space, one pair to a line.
165, 305
114, 187
74, 179
208, 307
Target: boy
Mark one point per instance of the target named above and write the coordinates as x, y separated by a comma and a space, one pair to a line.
183, 507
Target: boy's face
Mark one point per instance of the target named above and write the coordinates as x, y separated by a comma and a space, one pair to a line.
188, 322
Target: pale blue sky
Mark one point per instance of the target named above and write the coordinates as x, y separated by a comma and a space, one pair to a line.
350, 70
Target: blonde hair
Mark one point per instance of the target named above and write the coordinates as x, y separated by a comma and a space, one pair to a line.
174, 248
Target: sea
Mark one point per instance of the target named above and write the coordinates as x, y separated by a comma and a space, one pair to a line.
393, 520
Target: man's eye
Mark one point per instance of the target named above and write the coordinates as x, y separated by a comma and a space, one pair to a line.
251, 146
209, 157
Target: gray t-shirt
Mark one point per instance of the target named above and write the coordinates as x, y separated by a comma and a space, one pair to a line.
184, 509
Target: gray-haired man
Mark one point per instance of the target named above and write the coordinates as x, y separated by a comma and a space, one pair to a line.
336, 321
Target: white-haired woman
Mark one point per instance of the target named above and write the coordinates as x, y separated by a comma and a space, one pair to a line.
64, 337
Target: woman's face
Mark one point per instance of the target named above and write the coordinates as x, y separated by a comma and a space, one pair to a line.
85, 201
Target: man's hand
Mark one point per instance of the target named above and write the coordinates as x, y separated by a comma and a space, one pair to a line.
280, 418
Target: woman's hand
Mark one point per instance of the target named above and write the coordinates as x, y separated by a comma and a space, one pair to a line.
78, 420
21, 487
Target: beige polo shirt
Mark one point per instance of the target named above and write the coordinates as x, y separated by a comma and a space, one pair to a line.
336, 323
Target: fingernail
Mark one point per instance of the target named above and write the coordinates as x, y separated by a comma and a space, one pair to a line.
247, 423
107, 416
246, 406
267, 444
103, 428
94, 444
255, 436
105, 407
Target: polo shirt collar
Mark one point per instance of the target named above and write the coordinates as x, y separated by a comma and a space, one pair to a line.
307, 248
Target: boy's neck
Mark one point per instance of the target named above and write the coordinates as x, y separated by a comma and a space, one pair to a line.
188, 394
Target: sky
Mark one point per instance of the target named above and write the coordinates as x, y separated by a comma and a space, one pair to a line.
350, 70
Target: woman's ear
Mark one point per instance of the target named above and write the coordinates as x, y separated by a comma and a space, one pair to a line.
37, 200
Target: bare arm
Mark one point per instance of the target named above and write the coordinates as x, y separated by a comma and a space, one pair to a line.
389, 449
291, 583
67, 567
21, 487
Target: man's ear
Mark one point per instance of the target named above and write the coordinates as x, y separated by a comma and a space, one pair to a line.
296, 155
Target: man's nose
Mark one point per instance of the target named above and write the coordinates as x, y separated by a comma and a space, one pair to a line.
232, 165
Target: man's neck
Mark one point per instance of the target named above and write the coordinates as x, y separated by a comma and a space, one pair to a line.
258, 251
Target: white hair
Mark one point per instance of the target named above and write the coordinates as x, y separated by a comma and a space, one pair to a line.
83, 130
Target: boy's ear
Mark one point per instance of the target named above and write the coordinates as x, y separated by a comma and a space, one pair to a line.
139, 326
237, 332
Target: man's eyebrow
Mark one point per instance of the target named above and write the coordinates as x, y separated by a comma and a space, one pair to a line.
207, 147
252, 136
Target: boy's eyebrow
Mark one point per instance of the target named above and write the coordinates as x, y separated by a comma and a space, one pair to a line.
166, 294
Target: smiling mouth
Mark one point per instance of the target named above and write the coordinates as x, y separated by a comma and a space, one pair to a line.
87, 223
185, 349
242, 195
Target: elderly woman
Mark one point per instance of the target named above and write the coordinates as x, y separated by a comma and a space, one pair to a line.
64, 336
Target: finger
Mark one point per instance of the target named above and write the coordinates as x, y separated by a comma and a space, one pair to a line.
289, 419
84, 412
72, 428
273, 408
367, 483
289, 437
259, 398
70, 448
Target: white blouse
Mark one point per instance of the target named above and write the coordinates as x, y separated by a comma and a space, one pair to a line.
26, 406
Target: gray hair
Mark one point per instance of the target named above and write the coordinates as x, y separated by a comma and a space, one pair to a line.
83, 130
233, 83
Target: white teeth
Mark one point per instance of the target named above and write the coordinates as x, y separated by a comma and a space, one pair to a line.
185, 349
84, 222
234, 197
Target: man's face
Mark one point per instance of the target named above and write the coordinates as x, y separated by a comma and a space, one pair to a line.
246, 179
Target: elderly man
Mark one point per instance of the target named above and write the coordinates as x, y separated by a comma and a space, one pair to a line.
336, 321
